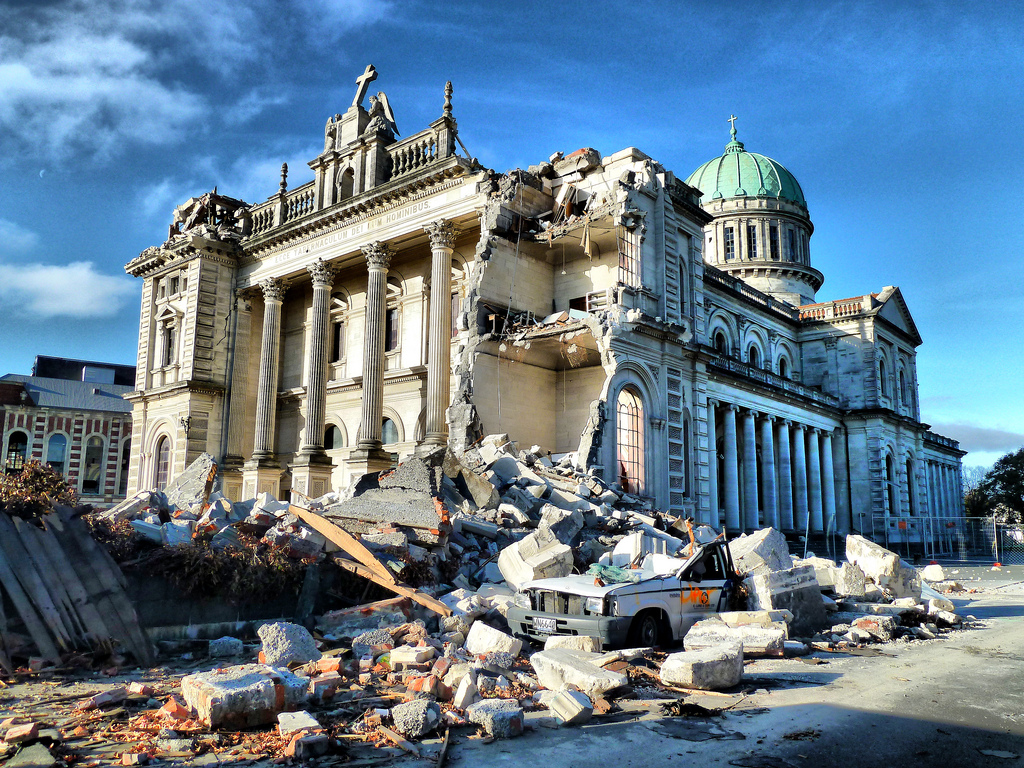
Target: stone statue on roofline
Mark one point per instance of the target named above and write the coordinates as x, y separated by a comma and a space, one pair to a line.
382, 119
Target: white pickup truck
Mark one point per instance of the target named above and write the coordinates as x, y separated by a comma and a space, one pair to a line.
657, 605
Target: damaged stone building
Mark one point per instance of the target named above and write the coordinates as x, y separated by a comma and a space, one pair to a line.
665, 332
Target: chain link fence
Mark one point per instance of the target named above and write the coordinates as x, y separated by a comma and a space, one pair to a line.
966, 539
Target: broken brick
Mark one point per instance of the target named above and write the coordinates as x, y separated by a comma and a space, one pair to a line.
21, 733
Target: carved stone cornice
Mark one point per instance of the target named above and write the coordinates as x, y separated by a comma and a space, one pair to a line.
274, 289
378, 255
442, 233
322, 273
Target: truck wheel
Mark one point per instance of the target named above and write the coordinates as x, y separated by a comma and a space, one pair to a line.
646, 630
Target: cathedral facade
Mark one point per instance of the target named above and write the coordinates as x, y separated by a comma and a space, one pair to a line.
667, 333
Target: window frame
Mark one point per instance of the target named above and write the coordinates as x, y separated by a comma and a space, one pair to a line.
631, 441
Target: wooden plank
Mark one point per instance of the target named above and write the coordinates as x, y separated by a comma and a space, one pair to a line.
398, 587
343, 539
28, 614
95, 628
102, 583
50, 574
28, 574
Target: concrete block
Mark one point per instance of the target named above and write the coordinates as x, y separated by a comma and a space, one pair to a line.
466, 694
501, 718
881, 628
884, 568
485, 639
947, 619
937, 604
571, 707
708, 669
875, 609
244, 696
824, 570
755, 618
479, 527
304, 746
563, 523
795, 590
573, 642
193, 486
152, 532
762, 551
849, 580
293, 722
325, 687
560, 667
405, 656
176, 532
284, 642
933, 572
226, 646
756, 641
416, 718
537, 556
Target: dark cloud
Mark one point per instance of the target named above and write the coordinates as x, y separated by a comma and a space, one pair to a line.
974, 438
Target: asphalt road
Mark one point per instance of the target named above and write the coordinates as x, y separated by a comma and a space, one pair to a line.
940, 703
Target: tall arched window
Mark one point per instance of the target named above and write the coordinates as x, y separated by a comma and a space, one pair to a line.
754, 356
56, 452
903, 389
122, 482
784, 367
163, 461
883, 379
721, 345
911, 496
333, 438
629, 422
92, 476
17, 452
892, 489
389, 432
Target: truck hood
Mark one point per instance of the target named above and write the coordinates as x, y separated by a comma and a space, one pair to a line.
573, 585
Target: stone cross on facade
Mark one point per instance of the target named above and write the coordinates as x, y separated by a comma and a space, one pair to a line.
363, 82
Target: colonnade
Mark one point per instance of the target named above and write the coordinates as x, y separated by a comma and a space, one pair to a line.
791, 483
944, 489
312, 467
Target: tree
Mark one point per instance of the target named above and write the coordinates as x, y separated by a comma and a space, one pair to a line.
1003, 488
976, 503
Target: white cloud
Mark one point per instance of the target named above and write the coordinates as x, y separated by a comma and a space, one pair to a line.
15, 240
67, 290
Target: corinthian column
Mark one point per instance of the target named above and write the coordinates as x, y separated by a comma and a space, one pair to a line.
771, 510
799, 477
814, 481
785, 478
316, 371
732, 474
828, 482
750, 504
368, 455
713, 513
442, 235
270, 352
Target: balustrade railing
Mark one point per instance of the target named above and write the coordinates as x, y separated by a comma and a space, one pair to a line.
263, 218
299, 202
413, 153
833, 309
713, 275
767, 377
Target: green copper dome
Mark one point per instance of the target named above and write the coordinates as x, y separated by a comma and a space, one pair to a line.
739, 173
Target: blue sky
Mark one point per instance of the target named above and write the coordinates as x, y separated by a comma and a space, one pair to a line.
900, 119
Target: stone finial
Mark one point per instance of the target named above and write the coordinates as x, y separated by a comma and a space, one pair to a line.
274, 288
442, 233
322, 273
284, 177
378, 255
448, 99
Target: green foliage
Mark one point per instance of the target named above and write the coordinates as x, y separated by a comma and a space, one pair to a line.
1001, 492
26, 493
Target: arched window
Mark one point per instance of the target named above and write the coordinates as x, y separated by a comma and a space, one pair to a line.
903, 388
92, 477
629, 421
163, 461
911, 496
754, 356
389, 432
56, 452
333, 438
892, 489
687, 460
784, 367
346, 185
721, 345
17, 452
883, 379
126, 453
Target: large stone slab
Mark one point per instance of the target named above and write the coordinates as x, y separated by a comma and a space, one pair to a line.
501, 718
760, 552
824, 570
756, 640
413, 512
537, 556
795, 590
485, 639
884, 568
559, 667
563, 523
570, 707
194, 485
708, 669
244, 696
849, 581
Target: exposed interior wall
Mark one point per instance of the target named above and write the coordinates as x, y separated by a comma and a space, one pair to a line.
576, 389
516, 398
528, 278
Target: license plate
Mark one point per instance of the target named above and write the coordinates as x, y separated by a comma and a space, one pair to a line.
546, 626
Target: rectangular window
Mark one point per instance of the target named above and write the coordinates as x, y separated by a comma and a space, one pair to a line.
730, 243
391, 330
792, 245
629, 257
337, 341
162, 289
174, 286
773, 242
751, 241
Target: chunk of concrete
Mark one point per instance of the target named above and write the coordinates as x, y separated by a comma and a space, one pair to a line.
485, 639
760, 552
244, 696
933, 573
756, 641
881, 628
284, 642
938, 604
563, 523
501, 718
537, 556
849, 580
795, 590
416, 718
293, 722
824, 570
884, 568
466, 694
573, 642
194, 485
570, 707
708, 669
561, 667
226, 646
756, 618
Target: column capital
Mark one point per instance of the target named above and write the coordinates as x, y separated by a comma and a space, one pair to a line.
378, 255
322, 273
769, 417
753, 414
799, 426
712, 402
442, 233
274, 289
731, 406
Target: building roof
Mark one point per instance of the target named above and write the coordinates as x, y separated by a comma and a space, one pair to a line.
75, 395
739, 173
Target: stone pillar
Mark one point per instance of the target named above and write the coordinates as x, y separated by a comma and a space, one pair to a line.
442, 235
814, 480
828, 482
311, 470
771, 509
785, 478
368, 455
750, 505
262, 473
732, 474
714, 512
799, 479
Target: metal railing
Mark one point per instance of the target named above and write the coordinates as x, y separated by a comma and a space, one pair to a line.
967, 539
